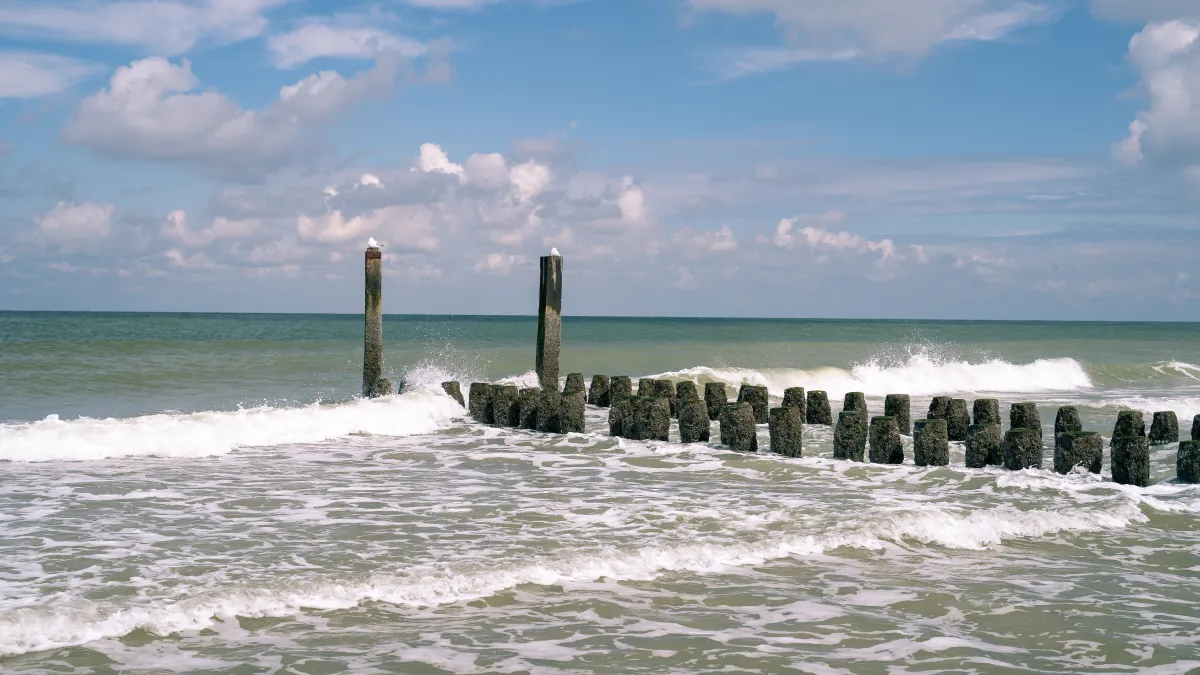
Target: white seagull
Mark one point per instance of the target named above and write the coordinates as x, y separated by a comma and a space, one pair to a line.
554, 251
371, 243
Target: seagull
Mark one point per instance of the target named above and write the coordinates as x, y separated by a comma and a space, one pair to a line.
371, 243
554, 251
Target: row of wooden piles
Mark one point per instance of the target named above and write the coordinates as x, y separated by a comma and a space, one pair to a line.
647, 413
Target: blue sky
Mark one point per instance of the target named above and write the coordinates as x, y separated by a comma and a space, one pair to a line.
985, 159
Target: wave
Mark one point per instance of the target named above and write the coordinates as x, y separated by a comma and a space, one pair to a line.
920, 375
29, 629
216, 433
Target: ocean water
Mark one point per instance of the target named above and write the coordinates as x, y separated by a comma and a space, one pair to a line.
205, 493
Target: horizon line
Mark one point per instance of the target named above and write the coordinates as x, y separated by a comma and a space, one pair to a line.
597, 316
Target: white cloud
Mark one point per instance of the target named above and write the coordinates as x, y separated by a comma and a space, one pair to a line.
685, 279
31, 74
882, 28
339, 37
486, 170
819, 237
167, 27
499, 263
400, 226
434, 160
150, 110
632, 202
695, 243
176, 229
838, 30
197, 261
1168, 131
76, 224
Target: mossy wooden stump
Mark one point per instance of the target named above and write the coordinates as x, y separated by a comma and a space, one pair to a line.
957, 419
574, 384
1022, 449
886, 446
480, 402
1078, 448
850, 436
454, 391
1025, 416
618, 412
899, 408
693, 421
506, 410
653, 419
572, 412
1129, 423
817, 410
1164, 429
786, 427
527, 401
854, 400
549, 414
1187, 462
738, 431
1130, 457
931, 442
986, 411
985, 444
715, 398
598, 393
620, 388
756, 396
1066, 421
938, 407
793, 397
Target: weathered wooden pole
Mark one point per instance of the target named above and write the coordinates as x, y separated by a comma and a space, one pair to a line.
373, 326
549, 337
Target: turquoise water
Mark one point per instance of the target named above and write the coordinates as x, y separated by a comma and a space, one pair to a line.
205, 493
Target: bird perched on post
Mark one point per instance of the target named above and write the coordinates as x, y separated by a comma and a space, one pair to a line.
554, 251
371, 243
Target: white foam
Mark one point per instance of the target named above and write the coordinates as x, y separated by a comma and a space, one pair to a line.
919, 375
27, 629
216, 433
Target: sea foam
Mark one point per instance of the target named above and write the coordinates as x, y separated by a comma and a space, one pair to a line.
27, 629
920, 376
215, 433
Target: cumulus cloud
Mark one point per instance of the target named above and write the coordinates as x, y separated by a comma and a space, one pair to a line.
176, 229
819, 237
32, 74
1167, 55
406, 227
152, 110
166, 27
75, 225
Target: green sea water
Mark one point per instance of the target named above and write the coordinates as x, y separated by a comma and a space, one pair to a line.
206, 493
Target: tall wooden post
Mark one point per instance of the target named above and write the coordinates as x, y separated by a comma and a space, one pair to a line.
549, 322
373, 324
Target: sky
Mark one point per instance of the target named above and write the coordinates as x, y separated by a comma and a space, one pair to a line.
956, 159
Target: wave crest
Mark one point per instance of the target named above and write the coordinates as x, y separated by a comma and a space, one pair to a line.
920, 375
216, 433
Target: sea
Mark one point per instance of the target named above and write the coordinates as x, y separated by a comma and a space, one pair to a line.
207, 493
